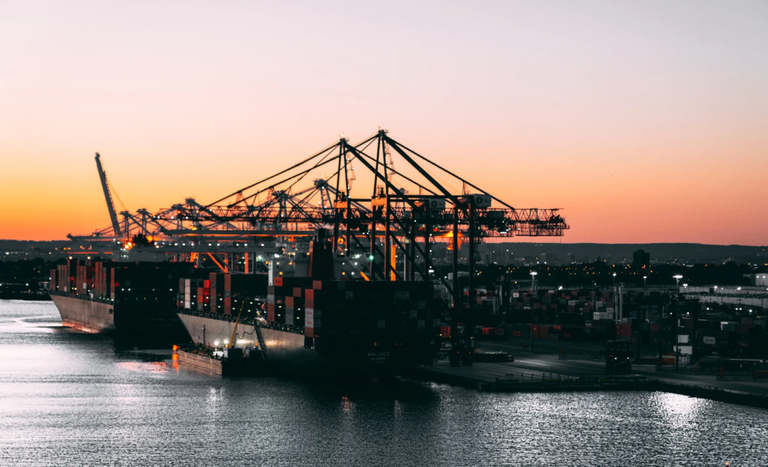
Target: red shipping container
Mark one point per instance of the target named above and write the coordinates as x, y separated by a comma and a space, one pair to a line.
112, 283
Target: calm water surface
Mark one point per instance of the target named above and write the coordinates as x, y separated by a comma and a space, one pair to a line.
68, 398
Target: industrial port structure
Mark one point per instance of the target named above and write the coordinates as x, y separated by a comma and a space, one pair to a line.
388, 224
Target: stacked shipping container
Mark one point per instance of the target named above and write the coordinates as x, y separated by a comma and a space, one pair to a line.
222, 293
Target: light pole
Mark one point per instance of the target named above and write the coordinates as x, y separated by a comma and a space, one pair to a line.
645, 278
677, 278
533, 293
614, 279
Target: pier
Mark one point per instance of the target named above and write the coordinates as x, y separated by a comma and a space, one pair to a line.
552, 372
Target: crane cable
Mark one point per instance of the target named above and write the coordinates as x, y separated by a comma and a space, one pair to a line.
234, 331
112, 187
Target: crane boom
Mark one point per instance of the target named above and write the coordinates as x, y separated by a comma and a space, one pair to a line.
108, 196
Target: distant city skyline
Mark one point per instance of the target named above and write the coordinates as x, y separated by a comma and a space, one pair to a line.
645, 122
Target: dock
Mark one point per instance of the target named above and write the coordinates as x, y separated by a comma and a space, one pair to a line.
549, 373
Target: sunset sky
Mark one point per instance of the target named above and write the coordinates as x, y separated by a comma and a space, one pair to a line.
645, 121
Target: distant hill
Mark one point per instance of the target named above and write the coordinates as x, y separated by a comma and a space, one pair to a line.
21, 245
554, 253
622, 252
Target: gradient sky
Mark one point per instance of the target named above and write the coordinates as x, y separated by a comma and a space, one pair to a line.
646, 121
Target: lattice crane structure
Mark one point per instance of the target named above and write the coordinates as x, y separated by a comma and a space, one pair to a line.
389, 214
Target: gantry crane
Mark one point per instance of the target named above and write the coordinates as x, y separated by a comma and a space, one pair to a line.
375, 221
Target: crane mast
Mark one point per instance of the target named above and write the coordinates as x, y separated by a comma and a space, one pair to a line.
108, 196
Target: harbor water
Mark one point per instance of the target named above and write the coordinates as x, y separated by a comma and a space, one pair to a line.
70, 398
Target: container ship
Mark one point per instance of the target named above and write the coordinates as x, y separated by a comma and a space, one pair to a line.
133, 300
314, 325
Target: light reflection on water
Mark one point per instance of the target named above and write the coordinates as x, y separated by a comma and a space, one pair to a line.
69, 398
678, 410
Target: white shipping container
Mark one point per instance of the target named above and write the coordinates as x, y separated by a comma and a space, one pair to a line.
309, 318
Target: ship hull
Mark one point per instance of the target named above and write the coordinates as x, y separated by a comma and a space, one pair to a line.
293, 354
285, 351
142, 323
86, 315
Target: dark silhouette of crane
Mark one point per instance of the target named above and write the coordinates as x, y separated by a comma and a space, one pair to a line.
108, 196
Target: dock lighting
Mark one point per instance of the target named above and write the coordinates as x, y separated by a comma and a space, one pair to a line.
370, 257
614, 279
677, 278
533, 281
645, 279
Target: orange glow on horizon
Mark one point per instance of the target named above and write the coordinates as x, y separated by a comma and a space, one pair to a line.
644, 122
